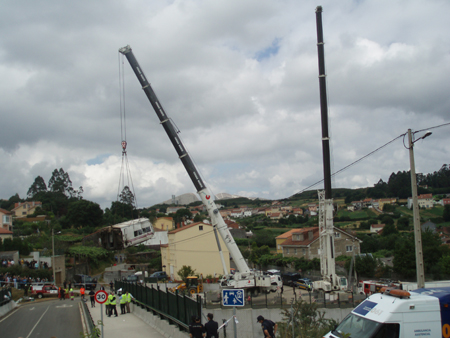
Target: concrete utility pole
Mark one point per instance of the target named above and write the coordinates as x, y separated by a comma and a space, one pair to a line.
417, 228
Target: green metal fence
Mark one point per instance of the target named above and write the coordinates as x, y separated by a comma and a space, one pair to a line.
5, 292
177, 308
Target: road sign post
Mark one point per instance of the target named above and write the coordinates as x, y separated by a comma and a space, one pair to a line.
233, 297
100, 297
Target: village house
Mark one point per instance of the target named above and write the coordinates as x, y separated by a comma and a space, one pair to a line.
424, 201
304, 242
297, 211
194, 245
23, 209
376, 228
5, 219
164, 223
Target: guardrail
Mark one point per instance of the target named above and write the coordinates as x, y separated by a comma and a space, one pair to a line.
178, 309
92, 328
5, 296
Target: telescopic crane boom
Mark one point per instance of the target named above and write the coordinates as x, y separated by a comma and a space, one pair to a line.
216, 219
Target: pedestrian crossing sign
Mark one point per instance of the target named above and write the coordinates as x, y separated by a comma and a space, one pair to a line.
233, 297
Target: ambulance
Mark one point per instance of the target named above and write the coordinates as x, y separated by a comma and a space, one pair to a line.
395, 313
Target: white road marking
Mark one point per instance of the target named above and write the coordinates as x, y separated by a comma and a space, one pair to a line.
37, 322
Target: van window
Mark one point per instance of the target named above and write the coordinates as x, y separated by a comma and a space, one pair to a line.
390, 330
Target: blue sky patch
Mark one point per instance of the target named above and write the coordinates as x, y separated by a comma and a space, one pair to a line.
269, 51
98, 159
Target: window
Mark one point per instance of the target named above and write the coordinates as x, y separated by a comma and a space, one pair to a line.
304, 251
337, 234
295, 251
287, 250
200, 227
24, 212
349, 248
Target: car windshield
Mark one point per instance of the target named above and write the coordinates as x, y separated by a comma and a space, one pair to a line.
356, 326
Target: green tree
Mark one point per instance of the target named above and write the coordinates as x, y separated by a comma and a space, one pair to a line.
403, 223
446, 214
185, 272
389, 229
365, 265
127, 196
60, 182
83, 213
404, 257
37, 186
307, 321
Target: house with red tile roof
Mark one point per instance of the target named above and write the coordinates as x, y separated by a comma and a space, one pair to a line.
304, 242
6, 219
377, 228
23, 209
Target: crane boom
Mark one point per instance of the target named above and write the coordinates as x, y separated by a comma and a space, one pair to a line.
216, 219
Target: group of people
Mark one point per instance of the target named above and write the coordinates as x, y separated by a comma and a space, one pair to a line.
198, 330
66, 292
18, 282
7, 263
209, 330
124, 300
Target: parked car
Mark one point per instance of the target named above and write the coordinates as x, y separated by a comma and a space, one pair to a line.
159, 275
40, 290
88, 282
289, 278
304, 284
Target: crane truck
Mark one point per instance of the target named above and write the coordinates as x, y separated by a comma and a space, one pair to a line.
243, 278
395, 313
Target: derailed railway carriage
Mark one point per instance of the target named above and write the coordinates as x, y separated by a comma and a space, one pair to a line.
126, 234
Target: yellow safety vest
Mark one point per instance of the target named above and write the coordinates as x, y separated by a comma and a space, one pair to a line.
112, 299
129, 298
123, 299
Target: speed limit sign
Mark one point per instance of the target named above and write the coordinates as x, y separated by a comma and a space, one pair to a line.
101, 296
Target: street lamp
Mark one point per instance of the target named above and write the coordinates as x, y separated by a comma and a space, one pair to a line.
53, 255
416, 216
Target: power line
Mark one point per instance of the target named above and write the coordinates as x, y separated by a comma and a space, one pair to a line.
371, 153
353, 163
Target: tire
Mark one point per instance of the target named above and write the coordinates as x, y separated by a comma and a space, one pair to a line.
40, 295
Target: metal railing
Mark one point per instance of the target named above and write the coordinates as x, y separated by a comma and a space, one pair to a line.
92, 328
177, 308
5, 296
212, 300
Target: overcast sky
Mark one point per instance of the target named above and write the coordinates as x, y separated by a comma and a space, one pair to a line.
238, 78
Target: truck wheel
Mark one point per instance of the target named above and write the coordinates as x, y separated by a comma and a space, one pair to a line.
192, 291
40, 295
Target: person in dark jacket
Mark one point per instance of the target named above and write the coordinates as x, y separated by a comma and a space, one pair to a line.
211, 327
269, 328
196, 329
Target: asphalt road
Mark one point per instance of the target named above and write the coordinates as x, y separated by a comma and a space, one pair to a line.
44, 319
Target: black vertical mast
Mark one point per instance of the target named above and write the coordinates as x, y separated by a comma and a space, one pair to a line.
323, 105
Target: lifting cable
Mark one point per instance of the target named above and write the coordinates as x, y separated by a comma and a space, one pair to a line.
125, 179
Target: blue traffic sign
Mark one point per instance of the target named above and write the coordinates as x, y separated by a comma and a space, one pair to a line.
234, 297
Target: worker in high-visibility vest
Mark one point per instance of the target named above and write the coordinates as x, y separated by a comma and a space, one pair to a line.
128, 296
82, 292
107, 305
112, 304
71, 294
123, 302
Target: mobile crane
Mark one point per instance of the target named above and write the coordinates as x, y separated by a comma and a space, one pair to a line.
243, 278
330, 281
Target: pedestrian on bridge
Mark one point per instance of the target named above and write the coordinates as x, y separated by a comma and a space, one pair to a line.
112, 304
211, 327
269, 328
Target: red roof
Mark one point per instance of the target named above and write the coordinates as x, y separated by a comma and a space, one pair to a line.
187, 227
4, 231
306, 241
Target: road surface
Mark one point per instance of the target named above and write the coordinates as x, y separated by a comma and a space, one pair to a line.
43, 319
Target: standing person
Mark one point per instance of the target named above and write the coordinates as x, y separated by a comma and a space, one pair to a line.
112, 304
107, 306
129, 296
63, 294
196, 329
82, 292
92, 297
71, 294
211, 327
111, 285
123, 303
269, 328
65, 284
